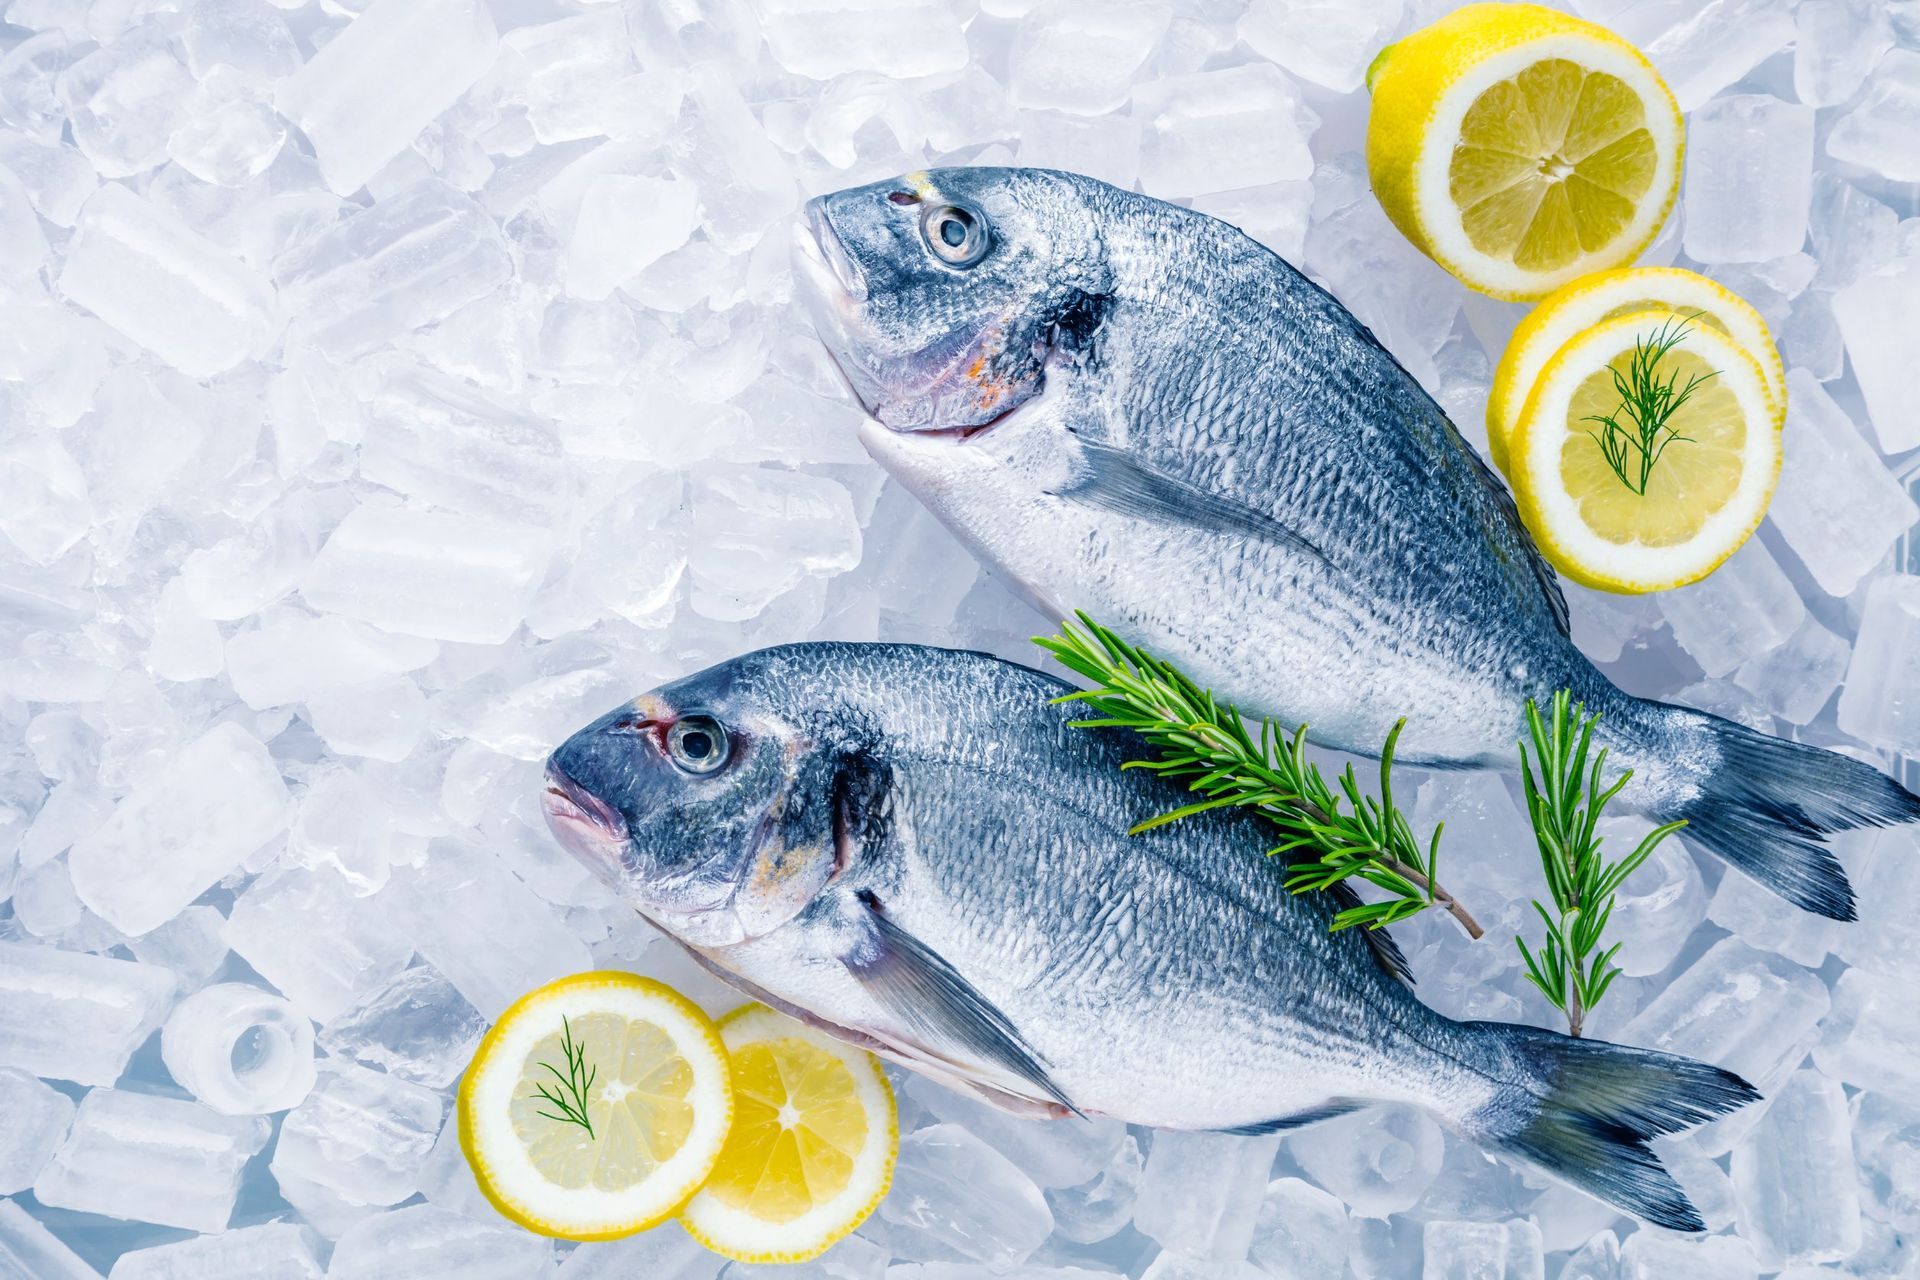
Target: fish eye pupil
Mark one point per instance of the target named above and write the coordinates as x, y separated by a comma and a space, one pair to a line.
953, 231
696, 745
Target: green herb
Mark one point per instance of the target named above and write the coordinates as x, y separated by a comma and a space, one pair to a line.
1648, 404
1327, 835
1564, 799
571, 1097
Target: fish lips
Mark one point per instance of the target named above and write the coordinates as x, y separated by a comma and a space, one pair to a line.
834, 290
586, 826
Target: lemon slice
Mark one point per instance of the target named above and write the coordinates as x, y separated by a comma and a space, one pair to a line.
1602, 296
1519, 147
1704, 495
812, 1148
659, 1101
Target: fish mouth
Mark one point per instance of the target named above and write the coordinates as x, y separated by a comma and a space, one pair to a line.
818, 242
589, 828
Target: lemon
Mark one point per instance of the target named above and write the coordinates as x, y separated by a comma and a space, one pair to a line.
1603, 295
812, 1148
657, 1093
1519, 147
1704, 495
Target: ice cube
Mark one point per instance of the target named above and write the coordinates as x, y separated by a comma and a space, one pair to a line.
291, 657
1880, 702
1202, 1191
1300, 1233
1661, 1255
1885, 869
411, 259
1762, 920
417, 1027
966, 111
1837, 506
1838, 42
1324, 41
163, 285
569, 75
421, 1242
1852, 232
1659, 905
1099, 1207
745, 183
343, 826
29, 74
1868, 1039
1053, 1154
1597, 1259
122, 100
1071, 58
955, 1195
667, 1251
1875, 313
69, 1016
240, 1050
1177, 1266
1754, 1013
371, 89
459, 903
1700, 49
360, 1134
1796, 680
33, 1124
229, 135
1482, 1251
1886, 1142
1794, 1177
1222, 130
217, 800
1378, 1160
1706, 1184
1106, 147
758, 532
380, 720
822, 39
191, 944
626, 224
271, 1251
431, 574
307, 933
1749, 179
1882, 133
242, 35
133, 1155
1745, 608
28, 1251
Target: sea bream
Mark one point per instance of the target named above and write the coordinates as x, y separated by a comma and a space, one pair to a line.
915, 850
1133, 409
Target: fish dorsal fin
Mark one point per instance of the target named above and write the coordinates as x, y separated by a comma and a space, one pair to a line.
916, 985
1300, 1119
1114, 480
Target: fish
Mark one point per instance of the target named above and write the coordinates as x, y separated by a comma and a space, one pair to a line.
1132, 409
915, 850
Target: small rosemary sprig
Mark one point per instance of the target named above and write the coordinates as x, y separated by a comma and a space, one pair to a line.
1327, 835
1564, 799
1648, 404
571, 1097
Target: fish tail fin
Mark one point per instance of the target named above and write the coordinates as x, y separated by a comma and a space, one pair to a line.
1767, 805
1585, 1111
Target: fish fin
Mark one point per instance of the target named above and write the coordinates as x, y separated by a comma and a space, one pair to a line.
918, 986
1386, 952
1585, 1110
1516, 531
1114, 480
1768, 805
1299, 1119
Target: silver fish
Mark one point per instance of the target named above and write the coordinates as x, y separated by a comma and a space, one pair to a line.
913, 849
1133, 409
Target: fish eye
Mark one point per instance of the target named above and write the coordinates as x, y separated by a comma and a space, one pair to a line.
697, 744
957, 234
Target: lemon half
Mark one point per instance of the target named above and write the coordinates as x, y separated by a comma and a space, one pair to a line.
1519, 147
1706, 493
812, 1148
660, 1103
1587, 301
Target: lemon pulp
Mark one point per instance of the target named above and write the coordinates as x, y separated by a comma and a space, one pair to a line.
796, 1130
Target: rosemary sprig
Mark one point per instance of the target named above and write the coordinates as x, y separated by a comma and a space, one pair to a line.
1648, 404
1564, 799
1326, 835
571, 1098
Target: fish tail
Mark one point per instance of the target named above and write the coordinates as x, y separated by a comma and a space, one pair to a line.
1767, 806
1585, 1111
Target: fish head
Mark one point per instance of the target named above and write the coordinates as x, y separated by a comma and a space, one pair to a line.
701, 806
940, 293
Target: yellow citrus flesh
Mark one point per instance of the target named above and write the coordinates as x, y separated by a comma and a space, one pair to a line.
812, 1148
1606, 295
659, 1101
1519, 147
1704, 496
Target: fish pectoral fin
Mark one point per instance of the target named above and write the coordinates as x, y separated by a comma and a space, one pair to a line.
1114, 480
917, 985
1300, 1119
